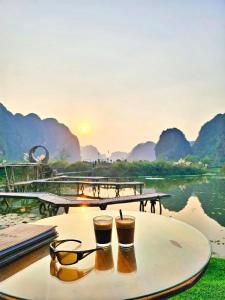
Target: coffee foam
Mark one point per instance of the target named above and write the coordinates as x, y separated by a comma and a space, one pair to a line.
125, 223
102, 225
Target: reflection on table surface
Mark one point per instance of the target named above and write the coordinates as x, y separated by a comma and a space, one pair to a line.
126, 263
67, 273
104, 259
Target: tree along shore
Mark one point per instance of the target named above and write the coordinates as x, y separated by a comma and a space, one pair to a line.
125, 168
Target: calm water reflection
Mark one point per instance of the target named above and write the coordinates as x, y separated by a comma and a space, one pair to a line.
199, 201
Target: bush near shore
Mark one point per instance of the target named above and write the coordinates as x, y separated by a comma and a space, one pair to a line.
125, 168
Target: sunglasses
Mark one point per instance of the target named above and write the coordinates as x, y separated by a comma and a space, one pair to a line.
68, 257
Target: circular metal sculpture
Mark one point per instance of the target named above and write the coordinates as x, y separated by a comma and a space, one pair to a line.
43, 158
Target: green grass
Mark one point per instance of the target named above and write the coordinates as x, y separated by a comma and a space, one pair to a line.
211, 286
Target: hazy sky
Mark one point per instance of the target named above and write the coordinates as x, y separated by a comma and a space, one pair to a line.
116, 72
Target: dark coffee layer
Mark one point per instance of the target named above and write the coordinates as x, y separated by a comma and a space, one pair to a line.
103, 236
125, 235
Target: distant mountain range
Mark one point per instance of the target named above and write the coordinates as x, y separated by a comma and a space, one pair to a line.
173, 145
143, 151
19, 133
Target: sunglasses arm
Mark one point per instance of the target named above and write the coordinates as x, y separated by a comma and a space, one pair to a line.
90, 251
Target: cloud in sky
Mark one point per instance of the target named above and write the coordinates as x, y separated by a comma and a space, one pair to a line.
129, 68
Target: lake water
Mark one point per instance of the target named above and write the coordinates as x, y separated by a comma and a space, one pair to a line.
198, 201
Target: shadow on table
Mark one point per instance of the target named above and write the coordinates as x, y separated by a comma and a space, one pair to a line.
23, 262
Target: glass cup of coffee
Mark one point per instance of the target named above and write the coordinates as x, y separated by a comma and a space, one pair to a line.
125, 230
103, 230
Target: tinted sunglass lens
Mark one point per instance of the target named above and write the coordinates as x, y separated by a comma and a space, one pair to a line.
67, 258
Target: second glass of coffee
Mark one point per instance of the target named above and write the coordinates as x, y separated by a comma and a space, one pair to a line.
125, 230
103, 230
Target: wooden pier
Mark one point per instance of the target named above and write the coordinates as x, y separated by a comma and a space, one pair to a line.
80, 178
77, 183
54, 202
23, 172
90, 178
36, 181
95, 185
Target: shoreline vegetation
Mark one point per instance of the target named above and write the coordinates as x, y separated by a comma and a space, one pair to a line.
126, 169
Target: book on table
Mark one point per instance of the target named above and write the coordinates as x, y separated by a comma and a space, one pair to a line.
20, 239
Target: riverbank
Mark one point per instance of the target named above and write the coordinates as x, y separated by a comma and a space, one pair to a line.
129, 169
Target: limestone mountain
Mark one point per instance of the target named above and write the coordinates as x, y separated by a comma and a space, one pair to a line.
211, 140
172, 145
19, 133
89, 153
144, 151
118, 155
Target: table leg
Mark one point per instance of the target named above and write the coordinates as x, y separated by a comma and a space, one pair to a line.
141, 206
5, 208
59, 189
6, 202
117, 191
103, 206
82, 189
152, 206
98, 191
66, 208
55, 211
160, 206
78, 189
94, 190
52, 209
42, 208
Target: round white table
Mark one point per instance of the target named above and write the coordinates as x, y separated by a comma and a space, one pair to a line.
168, 254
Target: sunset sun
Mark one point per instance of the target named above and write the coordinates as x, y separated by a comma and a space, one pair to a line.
84, 128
